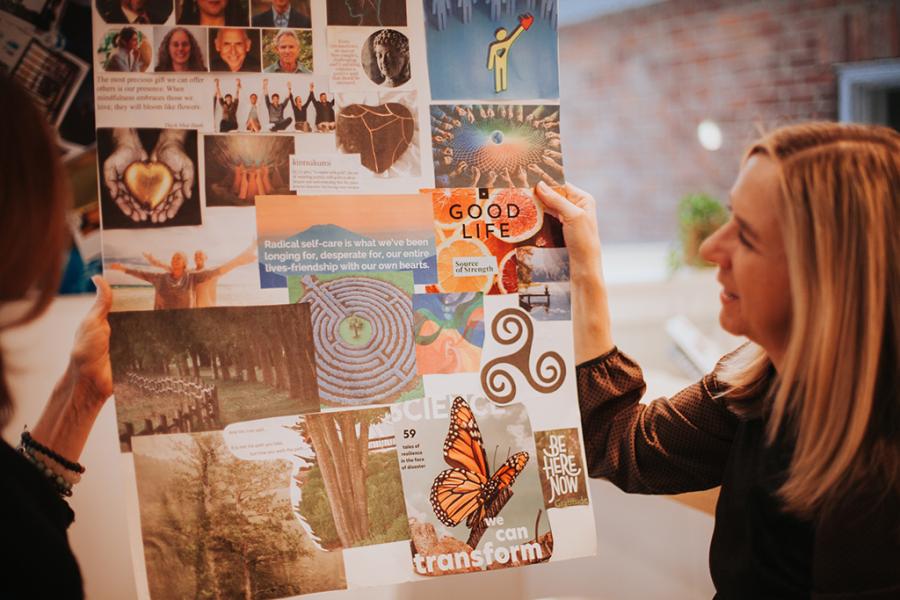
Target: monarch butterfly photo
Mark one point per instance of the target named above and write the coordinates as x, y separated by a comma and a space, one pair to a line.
467, 490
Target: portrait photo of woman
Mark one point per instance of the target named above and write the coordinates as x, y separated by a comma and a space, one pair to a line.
125, 51
215, 13
180, 50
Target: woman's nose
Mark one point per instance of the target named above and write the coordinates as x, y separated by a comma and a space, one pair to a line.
713, 248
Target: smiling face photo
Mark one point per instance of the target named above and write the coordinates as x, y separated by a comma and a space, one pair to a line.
287, 51
180, 49
233, 49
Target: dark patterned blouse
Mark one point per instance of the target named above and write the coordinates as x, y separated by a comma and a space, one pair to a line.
693, 441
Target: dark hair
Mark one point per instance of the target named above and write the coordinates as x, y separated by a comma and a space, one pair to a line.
392, 39
235, 14
34, 196
164, 59
125, 35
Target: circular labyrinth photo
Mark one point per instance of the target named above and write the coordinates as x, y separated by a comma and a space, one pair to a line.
362, 328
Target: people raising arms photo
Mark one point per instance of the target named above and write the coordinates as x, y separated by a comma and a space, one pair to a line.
229, 106
178, 287
275, 106
206, 292
281, 109
325, 119
252, 124
300, 107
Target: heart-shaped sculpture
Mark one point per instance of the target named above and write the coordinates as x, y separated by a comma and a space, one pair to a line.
149, 182
379, 134
526, 20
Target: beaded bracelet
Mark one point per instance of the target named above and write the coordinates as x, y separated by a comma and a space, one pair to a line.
62, 487
71, 477
32, 444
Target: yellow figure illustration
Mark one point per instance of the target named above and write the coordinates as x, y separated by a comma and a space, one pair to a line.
498, 51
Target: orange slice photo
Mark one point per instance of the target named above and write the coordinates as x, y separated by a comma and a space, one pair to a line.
448, 281
518, 214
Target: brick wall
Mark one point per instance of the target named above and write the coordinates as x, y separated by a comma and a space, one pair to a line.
636, 84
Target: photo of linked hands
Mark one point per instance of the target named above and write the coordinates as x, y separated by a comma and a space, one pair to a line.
149, 187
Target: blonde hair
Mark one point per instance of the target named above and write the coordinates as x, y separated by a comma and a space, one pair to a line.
836, 396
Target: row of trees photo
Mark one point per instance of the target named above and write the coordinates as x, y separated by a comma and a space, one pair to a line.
261, 361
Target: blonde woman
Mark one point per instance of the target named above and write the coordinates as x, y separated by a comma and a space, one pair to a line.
801, 426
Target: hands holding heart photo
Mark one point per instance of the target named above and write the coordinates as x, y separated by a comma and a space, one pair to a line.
149, 187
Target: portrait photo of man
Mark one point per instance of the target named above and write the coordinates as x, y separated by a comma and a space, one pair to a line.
234, 50
281, 14
137, 12
287, 51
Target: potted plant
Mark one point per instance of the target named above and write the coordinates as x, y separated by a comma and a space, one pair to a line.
699, 215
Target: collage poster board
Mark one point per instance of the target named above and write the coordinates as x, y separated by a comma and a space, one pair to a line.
341, 329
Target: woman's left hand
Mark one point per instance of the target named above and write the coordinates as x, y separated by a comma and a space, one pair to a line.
89, 362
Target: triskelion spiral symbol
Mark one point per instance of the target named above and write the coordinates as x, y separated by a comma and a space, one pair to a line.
508, 327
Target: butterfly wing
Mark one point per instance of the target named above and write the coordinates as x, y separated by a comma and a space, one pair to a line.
506, 475
502, 478
455, 494
463, 447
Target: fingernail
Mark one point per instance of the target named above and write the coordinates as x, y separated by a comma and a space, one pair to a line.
542, 186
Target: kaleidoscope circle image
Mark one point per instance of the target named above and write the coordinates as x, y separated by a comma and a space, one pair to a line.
496, 145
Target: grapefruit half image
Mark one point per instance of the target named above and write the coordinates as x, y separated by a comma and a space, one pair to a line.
497, 247
451, 208
458, 247
508, 278
519, 211
442, 200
